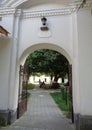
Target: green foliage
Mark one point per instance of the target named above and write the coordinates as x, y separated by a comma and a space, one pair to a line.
60, 102
28, 95
25, 96
30, 86
47, 61
63, 92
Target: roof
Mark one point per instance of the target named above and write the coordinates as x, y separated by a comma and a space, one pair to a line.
3, 31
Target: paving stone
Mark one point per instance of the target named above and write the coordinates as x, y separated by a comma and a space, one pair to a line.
42, 114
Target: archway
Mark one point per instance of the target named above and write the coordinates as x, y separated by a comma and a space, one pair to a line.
32, 48
58, 49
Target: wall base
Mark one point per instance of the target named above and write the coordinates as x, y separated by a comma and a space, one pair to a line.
8, 116
83, 122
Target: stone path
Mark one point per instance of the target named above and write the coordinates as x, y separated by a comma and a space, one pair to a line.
42, 114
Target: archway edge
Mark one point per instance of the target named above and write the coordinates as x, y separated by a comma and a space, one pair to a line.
50, 46
30, 3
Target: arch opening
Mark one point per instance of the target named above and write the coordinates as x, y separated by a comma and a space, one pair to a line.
60, 50
54, 47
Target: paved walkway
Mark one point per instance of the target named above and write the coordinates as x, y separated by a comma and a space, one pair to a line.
42, 114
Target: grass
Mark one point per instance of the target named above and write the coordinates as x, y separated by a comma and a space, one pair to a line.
30, 86
60, 102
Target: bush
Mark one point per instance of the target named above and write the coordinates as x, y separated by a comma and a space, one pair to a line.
47, 86
63, 92
55, 86
30, 86
25, 95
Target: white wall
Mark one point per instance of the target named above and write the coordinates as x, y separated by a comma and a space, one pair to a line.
5, 50
7, 23
75, 66
8, 61
85, 60
60, 29
69, 34
24, 34
60, 38
5, 59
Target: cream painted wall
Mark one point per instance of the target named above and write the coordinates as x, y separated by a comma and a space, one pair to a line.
60, 29
5, 50
84, 19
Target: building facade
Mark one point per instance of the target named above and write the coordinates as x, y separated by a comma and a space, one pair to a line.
69, 32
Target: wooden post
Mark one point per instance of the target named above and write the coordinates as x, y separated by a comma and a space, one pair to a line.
70, 93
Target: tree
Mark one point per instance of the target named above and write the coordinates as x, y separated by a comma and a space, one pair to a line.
49, 62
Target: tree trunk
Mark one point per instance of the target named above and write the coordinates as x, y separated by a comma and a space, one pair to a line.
56, 78
62, 80
51, 78
55, 84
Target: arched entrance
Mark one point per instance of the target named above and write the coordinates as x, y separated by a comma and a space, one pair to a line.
69, 25
51, 46
60, 50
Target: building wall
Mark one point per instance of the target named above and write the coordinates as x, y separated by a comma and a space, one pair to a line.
60, 33
68, 34
5, 59
4, 72
84, 19
83, 73
8, 61
26, 36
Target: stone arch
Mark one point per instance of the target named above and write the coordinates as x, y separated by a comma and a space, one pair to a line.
44, 46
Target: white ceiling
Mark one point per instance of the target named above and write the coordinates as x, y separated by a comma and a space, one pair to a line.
25, 4
30, 3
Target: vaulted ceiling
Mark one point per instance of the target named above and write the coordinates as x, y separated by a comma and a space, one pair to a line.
25, 4
30, 3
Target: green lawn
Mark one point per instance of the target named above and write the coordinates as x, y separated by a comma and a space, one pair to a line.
60, 102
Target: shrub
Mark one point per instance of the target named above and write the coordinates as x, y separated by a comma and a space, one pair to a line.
55, 86
30, 86
25, 95
47, 86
